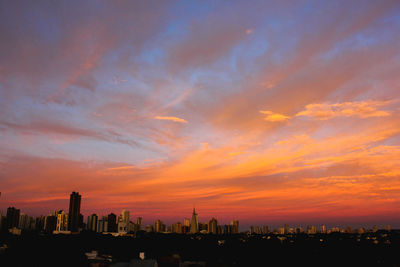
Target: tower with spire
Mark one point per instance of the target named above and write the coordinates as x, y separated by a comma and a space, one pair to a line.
194, 225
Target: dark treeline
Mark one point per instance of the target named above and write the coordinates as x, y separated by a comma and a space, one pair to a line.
335, 249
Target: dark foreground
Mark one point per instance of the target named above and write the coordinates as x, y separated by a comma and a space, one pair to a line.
336, 249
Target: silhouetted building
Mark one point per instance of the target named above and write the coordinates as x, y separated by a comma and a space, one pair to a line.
286, 228
112, 223
235, 226
12, 218
194, 225
92, 222
26, 222
74, 212
213, 226
39, 223
138, 223
102, 225
186, 225
81, 223
158, 225
125, 216
177, 228
62, 221
50, 223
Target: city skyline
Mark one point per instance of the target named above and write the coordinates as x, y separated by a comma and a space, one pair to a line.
66, 222
263, 111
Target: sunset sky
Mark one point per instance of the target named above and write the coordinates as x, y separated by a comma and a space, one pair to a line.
268, 112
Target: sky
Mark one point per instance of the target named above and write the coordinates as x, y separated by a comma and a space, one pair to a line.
268, 112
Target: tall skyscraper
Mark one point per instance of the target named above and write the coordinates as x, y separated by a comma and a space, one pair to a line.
12, 218
74, 211
194, 225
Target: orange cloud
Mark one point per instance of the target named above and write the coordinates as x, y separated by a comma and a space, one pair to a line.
274, 117
175, 119
363, 109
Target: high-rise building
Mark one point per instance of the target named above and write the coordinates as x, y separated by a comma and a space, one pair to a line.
138, 223
81, 221
62, 221
102, 225
177, 228
158, 226
186, 222
92, 222
12, 218
39, 223
112, 223
323, 229
286, 228
125, 216
50, 223
186, 225
235, 226
74, 212
265, 229
213, 226
194, 225
24, 221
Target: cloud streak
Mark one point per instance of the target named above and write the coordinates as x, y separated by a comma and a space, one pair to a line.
167, 118
274, 117
362, 109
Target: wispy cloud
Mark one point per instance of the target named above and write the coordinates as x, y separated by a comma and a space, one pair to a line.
362, 109
122, 168
274, 117
175, 119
